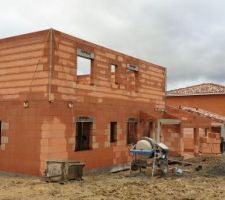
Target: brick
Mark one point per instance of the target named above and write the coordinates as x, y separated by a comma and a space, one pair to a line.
71, 140
210, 140
216, 148
106, 144
95, 145
2, 147
203, 139
120, 58
5, 125
4, 139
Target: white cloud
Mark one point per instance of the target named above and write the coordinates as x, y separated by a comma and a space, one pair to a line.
185, 36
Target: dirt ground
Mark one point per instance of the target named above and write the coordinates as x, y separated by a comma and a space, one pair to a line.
206, 183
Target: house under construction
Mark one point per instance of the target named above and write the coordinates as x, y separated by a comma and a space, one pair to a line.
65, 98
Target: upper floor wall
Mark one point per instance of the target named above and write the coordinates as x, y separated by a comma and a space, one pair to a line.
24, 66
45, 65
112, 74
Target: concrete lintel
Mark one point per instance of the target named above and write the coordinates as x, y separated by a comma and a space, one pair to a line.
216, 124
169, 121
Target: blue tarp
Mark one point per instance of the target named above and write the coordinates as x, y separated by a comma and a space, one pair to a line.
141, 152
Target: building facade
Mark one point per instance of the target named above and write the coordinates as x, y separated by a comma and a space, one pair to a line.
207, 96
206, 100
66, 98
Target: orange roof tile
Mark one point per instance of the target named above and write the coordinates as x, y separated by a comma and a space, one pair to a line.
202, 89
204, 113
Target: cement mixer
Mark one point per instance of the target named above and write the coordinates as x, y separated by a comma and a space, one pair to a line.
147, 152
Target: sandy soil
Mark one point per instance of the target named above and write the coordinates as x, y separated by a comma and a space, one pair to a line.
208, 183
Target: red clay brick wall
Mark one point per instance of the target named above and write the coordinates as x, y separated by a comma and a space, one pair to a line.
210, 144
32, 135
189, 138
24, 66
47, 130
213, 103
22, 127
102, 99
110, 153
170, 137
150, 84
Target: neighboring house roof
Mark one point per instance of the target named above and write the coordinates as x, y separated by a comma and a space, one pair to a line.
202, 89
204, 113
189, 117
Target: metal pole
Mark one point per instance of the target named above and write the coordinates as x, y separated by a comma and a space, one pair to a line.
153, 165
158, 131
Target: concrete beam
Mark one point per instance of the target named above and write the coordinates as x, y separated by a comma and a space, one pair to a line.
181, 141
169, 121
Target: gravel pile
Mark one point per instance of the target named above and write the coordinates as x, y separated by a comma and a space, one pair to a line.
213, 165
217, 170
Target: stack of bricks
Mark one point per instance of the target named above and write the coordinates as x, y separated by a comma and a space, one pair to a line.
210, 144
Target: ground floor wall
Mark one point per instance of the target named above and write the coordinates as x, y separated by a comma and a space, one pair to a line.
46, 131
21, 128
